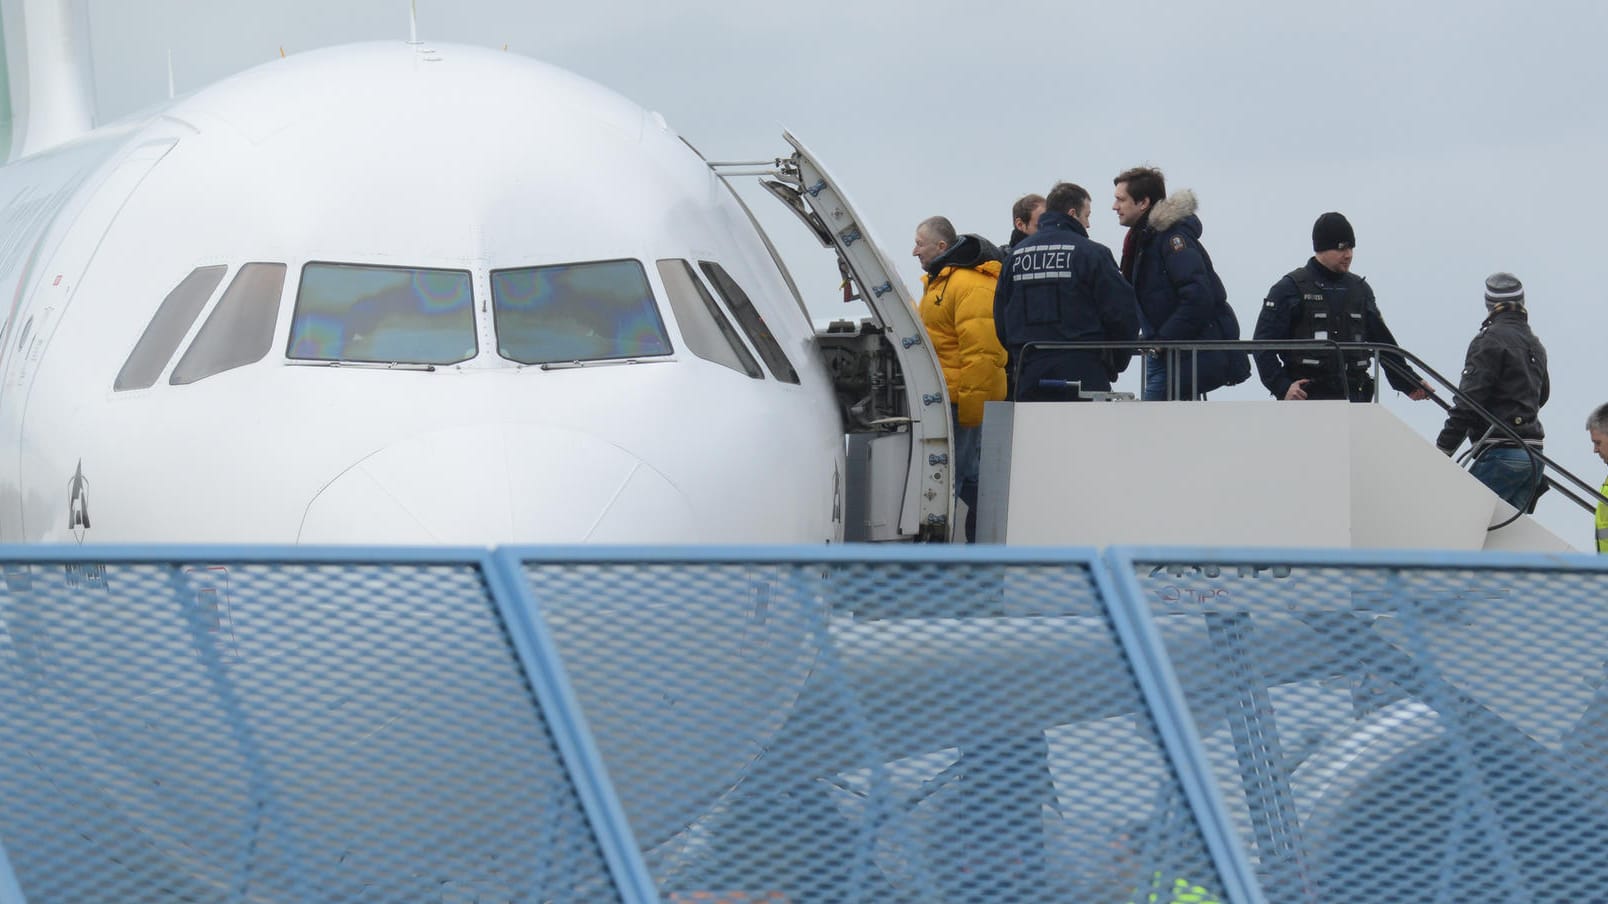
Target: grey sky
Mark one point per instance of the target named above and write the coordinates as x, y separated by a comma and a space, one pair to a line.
1459, 138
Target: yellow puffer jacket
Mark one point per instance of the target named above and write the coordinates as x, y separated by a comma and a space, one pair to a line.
957, 308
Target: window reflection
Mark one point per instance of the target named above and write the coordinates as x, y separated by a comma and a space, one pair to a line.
752, 322
240, 329
576, 312
167, 329
704, 328
410, 315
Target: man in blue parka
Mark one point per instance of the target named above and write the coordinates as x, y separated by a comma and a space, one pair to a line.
1058, 285
1180, 295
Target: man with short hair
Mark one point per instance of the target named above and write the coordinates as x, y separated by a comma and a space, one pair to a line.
1024, 218
957, 308
1059, 285
1504, 372
1325, 300
1597, 429
1180, 295
1083, 208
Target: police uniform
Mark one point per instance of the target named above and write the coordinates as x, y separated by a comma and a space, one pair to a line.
1058, 285
1315, 303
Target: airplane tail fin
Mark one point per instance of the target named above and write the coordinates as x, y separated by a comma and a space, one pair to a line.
46, 96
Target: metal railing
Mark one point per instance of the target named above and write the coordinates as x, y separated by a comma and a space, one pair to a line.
293, 724
1176, 349
796, 724
1545, 472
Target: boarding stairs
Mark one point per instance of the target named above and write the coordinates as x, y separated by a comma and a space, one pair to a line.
1264, 473
1322, 474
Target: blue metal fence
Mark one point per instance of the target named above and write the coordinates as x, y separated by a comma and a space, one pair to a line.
291, 725
800, 724
1393, 727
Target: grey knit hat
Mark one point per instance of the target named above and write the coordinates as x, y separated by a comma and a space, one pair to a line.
1503, 288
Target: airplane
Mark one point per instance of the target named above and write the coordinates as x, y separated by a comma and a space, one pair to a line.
402, 293
408, 293
419, 294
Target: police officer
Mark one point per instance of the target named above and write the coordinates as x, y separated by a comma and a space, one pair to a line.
1058, 285
1597, 428
1325, 300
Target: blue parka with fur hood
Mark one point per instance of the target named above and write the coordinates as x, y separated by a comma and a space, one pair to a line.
1179, 292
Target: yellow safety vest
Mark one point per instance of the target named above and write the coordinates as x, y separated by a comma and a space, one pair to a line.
1183, 891
1602, 521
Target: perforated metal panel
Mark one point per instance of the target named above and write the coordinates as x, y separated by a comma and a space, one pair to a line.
1407, 728
913, 726
228, 729
799, 725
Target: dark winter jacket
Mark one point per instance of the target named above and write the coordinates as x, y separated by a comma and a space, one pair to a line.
1505, 372
1179, 292
1059, 285
1349, 301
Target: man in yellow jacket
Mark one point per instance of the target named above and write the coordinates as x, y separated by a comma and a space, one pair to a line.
1597, 428
957, 307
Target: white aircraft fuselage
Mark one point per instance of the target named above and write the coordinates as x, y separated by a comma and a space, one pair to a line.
398, 294
458, 186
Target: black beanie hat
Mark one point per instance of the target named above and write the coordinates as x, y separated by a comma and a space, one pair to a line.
1332, 231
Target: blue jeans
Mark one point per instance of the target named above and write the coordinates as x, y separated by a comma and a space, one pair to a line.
968, 465
1508, 472
1156, 379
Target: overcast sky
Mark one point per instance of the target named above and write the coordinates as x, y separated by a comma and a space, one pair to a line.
1458, 138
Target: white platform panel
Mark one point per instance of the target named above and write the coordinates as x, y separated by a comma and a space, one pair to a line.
1314, 474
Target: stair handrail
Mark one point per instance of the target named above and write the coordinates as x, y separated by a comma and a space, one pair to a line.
1541, 465
1542, 468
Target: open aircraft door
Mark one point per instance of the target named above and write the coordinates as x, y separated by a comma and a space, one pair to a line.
889, 385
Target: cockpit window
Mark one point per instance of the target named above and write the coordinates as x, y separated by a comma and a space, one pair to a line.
752, 322
240, 329
707, 332
167, 329
576, 312
401, 315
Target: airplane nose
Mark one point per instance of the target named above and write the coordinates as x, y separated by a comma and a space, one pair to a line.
500, 483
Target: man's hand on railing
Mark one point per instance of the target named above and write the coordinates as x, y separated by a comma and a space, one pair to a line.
1423, 391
